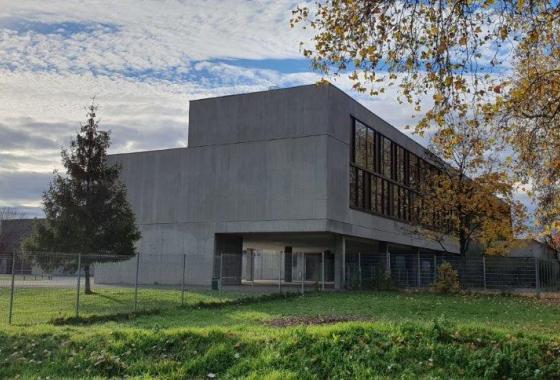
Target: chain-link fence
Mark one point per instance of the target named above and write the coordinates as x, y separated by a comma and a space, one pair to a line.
275, 270
419, 270
41, 287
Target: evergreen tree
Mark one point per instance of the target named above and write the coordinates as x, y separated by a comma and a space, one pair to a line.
86, 210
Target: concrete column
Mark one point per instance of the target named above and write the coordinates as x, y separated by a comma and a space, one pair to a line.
384, 247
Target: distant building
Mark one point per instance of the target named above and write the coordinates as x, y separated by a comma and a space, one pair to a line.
12, 233
534, 248
305, 169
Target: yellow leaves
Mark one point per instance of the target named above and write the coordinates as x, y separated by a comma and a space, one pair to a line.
503, 32
438, 98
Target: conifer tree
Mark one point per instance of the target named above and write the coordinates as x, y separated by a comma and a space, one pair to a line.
86, 210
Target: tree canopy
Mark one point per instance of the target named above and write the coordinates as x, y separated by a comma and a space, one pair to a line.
493, 64
86, 210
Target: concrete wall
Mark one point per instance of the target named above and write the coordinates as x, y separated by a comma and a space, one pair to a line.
260, 116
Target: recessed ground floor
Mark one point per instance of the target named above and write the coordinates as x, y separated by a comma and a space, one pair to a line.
322, 260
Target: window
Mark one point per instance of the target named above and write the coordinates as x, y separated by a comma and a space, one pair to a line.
370, 149
353, 202
387, 157
360, 188
413, 171
373, 193
360, 136
385, 177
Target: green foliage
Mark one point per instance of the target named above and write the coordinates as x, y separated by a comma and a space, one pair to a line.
447, 279
86, 211
405, 337
356, 350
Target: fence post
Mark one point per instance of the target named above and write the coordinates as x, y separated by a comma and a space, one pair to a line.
252, 267
221, 270
302, 273
12, 288
280, 271
323, 270
435, 269
183, 280
418, 277
484, 271
537, 276
360, 269
78, 285
343, 266
136, 282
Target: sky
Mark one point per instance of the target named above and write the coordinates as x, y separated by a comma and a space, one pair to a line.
142, 61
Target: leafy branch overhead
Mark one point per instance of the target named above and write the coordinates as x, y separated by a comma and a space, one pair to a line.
489, 64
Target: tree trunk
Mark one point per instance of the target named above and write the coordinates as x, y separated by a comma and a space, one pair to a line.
88, 282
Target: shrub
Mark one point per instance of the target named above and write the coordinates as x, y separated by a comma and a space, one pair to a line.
447, 280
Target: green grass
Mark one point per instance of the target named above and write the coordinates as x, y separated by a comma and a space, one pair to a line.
33, 305
403, 336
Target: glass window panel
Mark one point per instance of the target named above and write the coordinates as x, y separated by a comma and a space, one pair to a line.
387, 157
400, 163
360, 189
373, 193
395, 191
379, 197
378, 153
413, 175
367, 195
369, 148
352, 187
360, 144
387, 198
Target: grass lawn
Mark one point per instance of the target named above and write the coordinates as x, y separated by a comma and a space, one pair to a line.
389, 335
32, 305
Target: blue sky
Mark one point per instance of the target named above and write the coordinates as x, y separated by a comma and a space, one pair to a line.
143, 61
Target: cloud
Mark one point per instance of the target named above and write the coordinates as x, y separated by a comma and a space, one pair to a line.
143, 61
23, 189
131, 37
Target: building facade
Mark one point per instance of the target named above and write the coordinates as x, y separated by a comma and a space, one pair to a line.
304, 169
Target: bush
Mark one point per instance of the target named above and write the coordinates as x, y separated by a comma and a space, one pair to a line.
447, 279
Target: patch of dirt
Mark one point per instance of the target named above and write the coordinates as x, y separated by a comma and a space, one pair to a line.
310, 320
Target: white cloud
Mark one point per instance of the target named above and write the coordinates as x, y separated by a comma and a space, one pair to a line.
143, 60
143, 35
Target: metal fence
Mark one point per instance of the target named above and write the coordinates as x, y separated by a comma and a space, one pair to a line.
275, 270
41, 287
301, 271
419, 270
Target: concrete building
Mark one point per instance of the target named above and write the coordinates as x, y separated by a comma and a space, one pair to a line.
12, 233
304, 169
